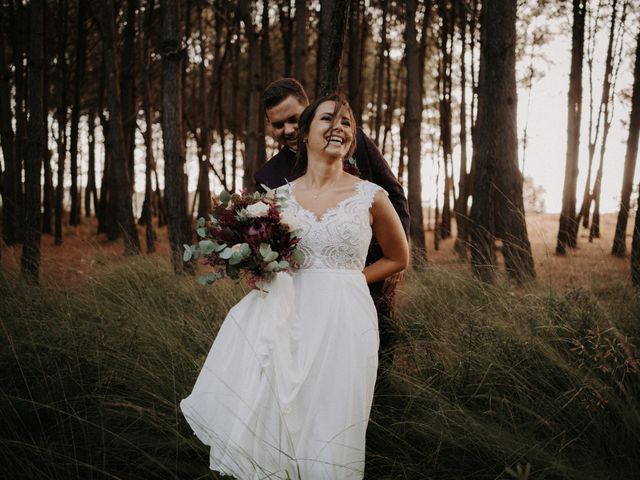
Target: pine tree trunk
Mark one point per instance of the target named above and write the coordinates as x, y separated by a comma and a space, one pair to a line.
413, 115
20, 23
300, 59
62, 120
179, 224
286, 33
331, 44
619, 242
48, 192
74, 212
461, 212
30, 261
254, 89
121, 186
377, 125
635, 248
127, 90
7, 138
354, 77
498, 182
568, 228
91, 191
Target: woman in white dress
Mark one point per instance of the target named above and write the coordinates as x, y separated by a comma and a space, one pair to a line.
286, 390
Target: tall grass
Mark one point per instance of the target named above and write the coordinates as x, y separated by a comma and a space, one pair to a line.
486, 379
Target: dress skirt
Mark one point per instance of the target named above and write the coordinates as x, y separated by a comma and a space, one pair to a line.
286, 390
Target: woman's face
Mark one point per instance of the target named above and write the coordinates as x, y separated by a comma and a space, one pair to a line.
331, 133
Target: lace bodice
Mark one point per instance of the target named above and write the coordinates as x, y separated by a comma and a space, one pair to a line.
340, 238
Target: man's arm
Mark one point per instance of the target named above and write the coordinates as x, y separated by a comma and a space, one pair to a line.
382, 175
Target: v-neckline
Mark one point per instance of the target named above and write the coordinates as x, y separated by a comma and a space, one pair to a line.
314, 215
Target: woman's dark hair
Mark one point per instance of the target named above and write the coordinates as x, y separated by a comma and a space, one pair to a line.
304, 125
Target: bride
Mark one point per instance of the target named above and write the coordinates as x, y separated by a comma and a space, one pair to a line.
286, 390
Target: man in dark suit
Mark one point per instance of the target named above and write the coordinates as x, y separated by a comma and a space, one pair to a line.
283, 102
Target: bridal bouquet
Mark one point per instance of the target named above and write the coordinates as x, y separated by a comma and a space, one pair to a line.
248, 236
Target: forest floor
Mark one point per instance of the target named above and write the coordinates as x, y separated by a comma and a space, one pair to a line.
590, 266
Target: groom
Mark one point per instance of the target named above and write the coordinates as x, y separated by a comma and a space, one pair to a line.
283, 101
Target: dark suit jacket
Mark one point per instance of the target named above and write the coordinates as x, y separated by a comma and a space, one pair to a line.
373, 167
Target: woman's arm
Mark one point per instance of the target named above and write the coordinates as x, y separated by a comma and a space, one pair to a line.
390, 235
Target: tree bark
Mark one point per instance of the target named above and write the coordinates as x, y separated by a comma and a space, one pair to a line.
254, 91
120, 176
300, 58
7, 137
127, 90
635, 249
62, 119
30, 261
382, 60
286, 32
20, 24
178, 222
354, 73
461, 211
74, 212
91, 191
413, 125
568, 228
331, 44
619, 242
498, 182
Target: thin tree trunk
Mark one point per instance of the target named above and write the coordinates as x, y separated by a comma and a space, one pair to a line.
30, 261
461, 212
91, 191
331, 44
20, 23
127, 91
354, 78
635, 249
413, 127
286, 32
498, 182
619, 242
8, 140
175, 189
62, 120
568, 228
48, 192
300, 59
74, 212
255, 89
120, 176
382, 52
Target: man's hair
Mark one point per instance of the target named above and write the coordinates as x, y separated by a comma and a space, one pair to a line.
277, 91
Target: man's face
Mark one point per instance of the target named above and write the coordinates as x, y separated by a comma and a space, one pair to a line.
283, 119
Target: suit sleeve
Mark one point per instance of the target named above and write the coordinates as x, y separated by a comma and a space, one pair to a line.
383, 176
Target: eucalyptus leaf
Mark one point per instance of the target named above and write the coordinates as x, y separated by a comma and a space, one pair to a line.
225, 197
201, 222
233, 271
186, 256
207, 246
235, 259
226, 253
219, 247
201, 231
272, 266
283, 264
245, 250
298, 257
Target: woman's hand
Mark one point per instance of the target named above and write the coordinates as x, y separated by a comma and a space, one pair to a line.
390, 235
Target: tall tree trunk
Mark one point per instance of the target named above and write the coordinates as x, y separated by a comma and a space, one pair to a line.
300, 58
121, 191
286, 32
62, 119
498, 182
91, 191
461, 211
382, 52
8, 140
445, 77
354, 78
146, 217
413, 127
30, 261
48, 192
568, 228
331, 44
74, 212
20, 23
619, 242
127, 90
255, 89
635, 249
175, 187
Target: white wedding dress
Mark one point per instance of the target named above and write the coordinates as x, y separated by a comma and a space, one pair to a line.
286, 390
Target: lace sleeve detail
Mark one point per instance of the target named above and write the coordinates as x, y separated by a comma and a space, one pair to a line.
369, 193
